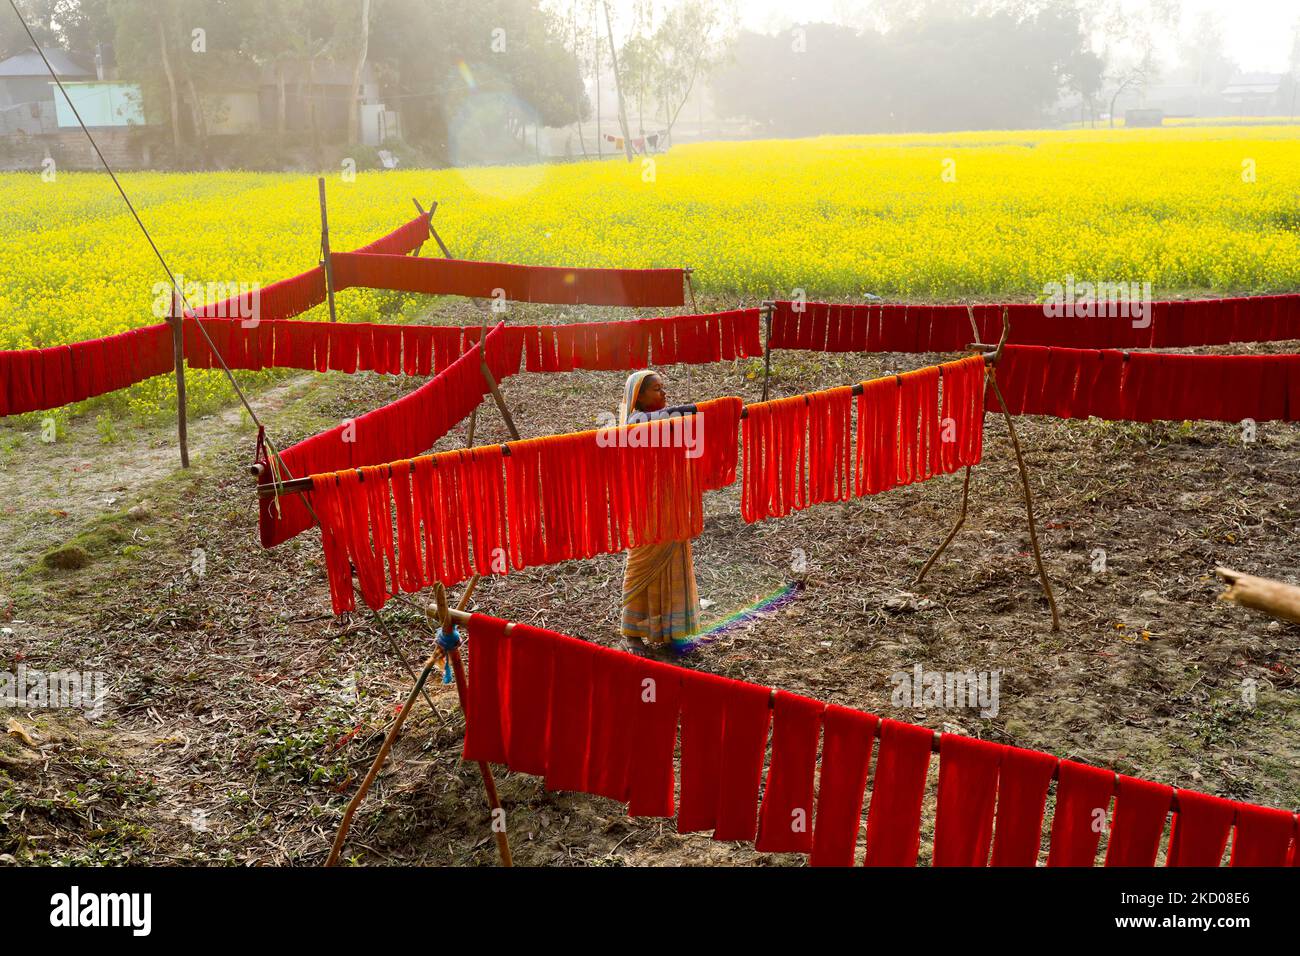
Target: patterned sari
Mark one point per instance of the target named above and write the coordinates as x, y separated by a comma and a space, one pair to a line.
660, 598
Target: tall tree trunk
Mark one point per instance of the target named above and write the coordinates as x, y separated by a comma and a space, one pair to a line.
280, 99
618, 86
354, 99
600, 136
173, 95
577, 91
313, 115
695, 72
200, 122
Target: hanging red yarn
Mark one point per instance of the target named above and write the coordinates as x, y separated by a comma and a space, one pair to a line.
491, 509
645, 288
593, 720
775, 450
1023, 781
724, 736
1082, 799
846, 759
1199, 831
897, 327
830, 445
968, 785
1263, 836
401, 429
894, 817
798, 450
1140, 810
1147, 386
786, 819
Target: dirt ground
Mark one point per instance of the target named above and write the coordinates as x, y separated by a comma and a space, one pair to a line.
241, 714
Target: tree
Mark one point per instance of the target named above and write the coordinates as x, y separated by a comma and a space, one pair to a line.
362, 43
39, 16
420, 51
1137, 76
687, 44
1203, 58
692, 44
618, 86
145, 39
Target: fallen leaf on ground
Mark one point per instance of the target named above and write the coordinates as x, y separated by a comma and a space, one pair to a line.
15, 729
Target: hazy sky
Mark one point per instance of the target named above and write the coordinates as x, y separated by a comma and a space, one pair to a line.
1258, 33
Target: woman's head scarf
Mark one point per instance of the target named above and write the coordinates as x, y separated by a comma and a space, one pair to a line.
632, 392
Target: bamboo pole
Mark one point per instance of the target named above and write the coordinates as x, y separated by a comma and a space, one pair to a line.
453, 614
767, 344
977, 346
961, 520
326, 261
433, 207
496, 812
500, 400
177, 322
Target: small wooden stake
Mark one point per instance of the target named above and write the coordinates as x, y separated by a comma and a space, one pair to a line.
1029, 500
501, 402
178, 355
433, 207
325, 249
767, 344
961, 520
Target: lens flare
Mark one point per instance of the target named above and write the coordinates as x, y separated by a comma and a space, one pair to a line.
466, 74
764, 607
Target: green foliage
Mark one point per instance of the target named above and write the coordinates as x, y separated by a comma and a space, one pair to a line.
106, 428
305, 752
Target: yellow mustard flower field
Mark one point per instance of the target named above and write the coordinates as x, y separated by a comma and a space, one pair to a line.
992, 215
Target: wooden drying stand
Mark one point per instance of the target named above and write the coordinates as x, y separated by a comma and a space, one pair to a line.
993, 353
447, 623
448, 619
767, 307
325, 259
991, 362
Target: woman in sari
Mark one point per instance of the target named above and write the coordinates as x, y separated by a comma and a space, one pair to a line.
660, 599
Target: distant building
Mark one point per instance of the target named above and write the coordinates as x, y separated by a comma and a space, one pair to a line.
1143, 117
100, 104
327, 87
1255, 94
234, 110
27, 93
